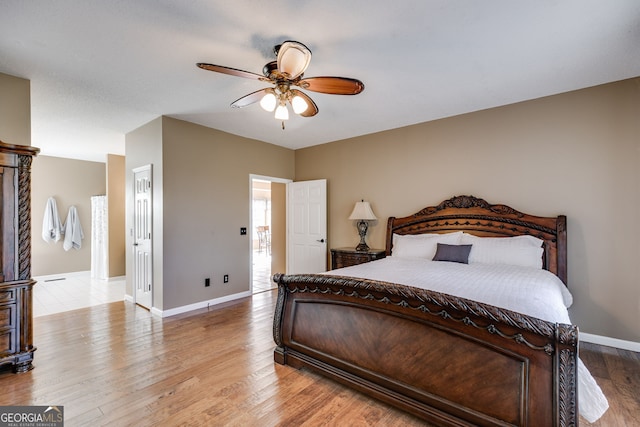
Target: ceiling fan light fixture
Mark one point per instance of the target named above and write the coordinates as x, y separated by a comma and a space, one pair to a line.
282, 113
293, 58
269, 101
299, 104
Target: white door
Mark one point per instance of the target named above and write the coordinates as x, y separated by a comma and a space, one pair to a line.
142, 230
307, 227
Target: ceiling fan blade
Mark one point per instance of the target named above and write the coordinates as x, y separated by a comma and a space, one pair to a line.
332, 85
252, 98
293, 58
312, 108
232, 71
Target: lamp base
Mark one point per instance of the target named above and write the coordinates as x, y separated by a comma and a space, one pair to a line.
362, 230
362, 247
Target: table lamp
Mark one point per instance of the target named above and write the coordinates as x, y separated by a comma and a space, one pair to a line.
362, 213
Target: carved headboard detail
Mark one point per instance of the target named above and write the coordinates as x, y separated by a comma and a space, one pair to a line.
477, 216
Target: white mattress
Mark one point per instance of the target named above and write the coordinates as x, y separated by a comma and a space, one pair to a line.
530, 291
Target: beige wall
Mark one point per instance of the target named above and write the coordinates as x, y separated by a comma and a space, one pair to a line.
115, 200
15, 110
576, 154
207, 193
201, 203
70, 182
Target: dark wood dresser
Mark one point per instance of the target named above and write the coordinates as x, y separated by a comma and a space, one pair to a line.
16, 315
345, 257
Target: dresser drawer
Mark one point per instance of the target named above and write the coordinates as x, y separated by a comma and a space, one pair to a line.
7, 342
347, 260
7, 316
346, 257
8, 329
7, 295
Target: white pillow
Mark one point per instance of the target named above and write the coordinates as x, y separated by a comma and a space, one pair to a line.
422, 245
525, 251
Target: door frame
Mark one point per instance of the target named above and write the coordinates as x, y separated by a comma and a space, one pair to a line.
251, 227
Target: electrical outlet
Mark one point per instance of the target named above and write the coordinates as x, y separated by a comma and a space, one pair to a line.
207, 282
243, 231
225, 279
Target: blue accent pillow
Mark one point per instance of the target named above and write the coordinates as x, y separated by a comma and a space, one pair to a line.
452, 253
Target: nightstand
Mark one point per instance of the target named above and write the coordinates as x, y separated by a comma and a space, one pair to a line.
345, 257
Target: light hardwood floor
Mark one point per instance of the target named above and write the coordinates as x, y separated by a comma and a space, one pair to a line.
115, 364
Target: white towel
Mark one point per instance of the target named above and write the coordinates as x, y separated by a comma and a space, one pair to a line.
73, 234
51, 225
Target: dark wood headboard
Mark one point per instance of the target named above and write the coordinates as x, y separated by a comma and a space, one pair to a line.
476, 216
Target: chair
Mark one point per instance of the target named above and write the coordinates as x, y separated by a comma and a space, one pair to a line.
264, 238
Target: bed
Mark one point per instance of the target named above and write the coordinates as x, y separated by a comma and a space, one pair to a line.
445, 357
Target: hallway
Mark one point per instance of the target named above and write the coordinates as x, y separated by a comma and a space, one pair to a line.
262, 271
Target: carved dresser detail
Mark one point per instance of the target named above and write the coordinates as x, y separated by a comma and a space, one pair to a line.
16, 315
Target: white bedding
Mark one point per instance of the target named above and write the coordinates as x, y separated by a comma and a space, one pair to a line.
530, 291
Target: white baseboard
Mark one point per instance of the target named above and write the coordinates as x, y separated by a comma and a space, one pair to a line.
198, 305
128, 297
610, 342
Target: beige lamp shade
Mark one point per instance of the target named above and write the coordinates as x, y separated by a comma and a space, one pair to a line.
362, 211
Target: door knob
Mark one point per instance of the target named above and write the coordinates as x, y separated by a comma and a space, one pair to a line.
321, 240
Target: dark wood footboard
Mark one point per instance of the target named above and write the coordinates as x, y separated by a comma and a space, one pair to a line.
448, 360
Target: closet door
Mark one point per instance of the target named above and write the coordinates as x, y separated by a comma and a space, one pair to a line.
142, 232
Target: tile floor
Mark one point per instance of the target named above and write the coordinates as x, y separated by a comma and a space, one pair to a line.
71, 291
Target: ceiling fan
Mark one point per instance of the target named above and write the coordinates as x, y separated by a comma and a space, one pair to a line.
292, 61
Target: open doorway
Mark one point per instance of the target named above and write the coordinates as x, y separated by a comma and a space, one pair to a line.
268, 231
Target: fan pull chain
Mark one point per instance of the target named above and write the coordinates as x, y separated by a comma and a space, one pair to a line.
283, 125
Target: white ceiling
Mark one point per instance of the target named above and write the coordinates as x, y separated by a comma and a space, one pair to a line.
99, 69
